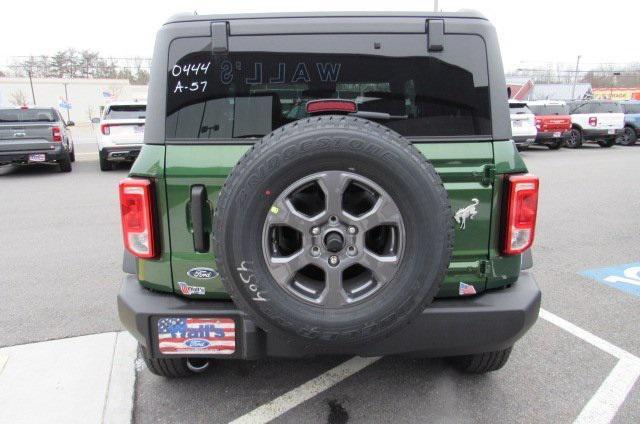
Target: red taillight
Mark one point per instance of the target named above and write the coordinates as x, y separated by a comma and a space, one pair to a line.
331, 105
104, 129
522, 209
136, 210
57, 135
593, 121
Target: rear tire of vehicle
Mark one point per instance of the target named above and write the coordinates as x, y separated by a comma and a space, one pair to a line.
105, 165
312, 146
174, 367
607, 142
575, 139
72, 154
481, 363
555, 144
65, 162
629, 137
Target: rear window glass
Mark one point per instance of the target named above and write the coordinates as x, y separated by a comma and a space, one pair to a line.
631, 107
27, 115
605, 107
249, 94
549, 109
518, 109
126, 112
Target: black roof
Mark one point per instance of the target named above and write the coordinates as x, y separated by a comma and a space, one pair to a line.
188, 17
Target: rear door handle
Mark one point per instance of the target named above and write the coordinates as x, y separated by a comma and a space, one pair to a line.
198, 207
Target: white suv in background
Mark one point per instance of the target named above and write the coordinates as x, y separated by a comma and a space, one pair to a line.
599, 120
121, 133
523, 124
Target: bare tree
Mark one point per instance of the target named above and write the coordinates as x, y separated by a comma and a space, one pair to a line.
18, 98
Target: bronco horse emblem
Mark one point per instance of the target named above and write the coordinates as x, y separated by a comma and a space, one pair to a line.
468, 212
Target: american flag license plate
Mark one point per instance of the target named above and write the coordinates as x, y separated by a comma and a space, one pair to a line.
193, 336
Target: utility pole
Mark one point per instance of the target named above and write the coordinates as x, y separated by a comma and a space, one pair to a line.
575, 79
435, 5
66, 99
33, 95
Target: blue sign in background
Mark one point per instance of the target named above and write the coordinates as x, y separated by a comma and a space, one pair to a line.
624, 277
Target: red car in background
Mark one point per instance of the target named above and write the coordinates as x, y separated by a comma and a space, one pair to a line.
553, 122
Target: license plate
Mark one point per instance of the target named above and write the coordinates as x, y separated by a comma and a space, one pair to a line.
517, 123
193, 336
611, 131
556, 134
138, 129
37, 157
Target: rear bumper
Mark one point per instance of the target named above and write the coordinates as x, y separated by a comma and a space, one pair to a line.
548, 136
121, 154
22, 156
587, 133
491, 321
523, 140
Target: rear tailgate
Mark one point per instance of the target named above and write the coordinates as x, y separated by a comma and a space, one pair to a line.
554, 123
125, 131
16, 137
610, 120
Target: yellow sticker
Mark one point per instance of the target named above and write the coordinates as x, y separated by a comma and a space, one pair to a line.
274, 210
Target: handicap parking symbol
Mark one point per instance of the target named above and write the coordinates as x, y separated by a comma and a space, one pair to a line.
622, 277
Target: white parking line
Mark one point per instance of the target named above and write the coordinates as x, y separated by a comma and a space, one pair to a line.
604, 405
306, 391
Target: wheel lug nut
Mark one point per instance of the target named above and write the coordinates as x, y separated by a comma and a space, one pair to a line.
333, 260
352, 251
315, 251
315, 231
352, 230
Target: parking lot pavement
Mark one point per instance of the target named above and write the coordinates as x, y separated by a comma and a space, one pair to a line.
61, 251
64, 272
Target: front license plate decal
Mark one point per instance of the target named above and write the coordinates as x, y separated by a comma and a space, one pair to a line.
556, 134
37, 157
193, 336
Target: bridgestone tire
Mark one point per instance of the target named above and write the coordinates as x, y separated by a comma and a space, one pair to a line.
321, 144
481, 363
168, 367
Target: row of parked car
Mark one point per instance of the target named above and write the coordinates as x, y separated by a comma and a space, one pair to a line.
33, 135
556, 123
41, 135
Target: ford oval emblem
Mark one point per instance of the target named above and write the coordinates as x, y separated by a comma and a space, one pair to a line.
197, 343
202, 273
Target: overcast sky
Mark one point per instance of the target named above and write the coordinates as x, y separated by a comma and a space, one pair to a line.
530, 31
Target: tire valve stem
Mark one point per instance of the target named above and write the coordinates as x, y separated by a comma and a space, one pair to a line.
333, 260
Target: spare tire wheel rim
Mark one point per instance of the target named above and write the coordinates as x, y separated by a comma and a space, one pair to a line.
333, 239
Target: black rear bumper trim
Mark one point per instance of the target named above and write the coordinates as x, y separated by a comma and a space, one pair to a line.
491, 321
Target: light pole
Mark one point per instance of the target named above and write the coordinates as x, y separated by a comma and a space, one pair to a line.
575, 79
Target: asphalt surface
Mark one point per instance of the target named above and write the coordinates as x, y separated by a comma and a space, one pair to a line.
60, 272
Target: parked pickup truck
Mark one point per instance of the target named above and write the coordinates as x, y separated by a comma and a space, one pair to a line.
389, 213
35, 135
631, 109
121, 133
595, 120
552, 121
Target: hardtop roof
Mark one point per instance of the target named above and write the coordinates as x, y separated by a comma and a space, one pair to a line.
462, 14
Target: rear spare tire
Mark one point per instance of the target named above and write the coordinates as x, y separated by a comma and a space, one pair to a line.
333, 229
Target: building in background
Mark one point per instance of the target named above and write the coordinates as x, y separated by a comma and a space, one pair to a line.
78, 99
560, 92
617, 93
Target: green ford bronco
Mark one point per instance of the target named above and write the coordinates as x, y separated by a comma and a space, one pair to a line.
335, 183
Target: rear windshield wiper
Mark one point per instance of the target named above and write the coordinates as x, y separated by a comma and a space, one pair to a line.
383, 116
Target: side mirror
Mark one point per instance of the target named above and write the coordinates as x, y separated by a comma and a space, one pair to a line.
95, 120
70, 124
